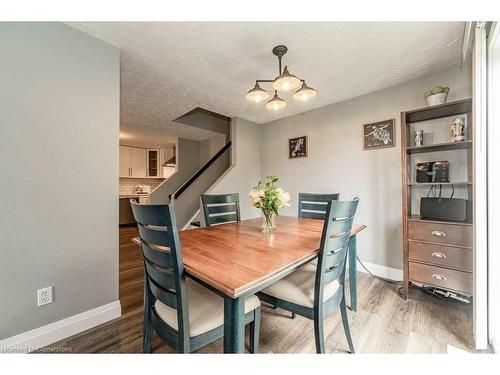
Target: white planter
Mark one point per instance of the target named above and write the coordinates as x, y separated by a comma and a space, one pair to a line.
437, 99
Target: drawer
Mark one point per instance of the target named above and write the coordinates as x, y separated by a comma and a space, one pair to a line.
441, 255
449, 234
441, 277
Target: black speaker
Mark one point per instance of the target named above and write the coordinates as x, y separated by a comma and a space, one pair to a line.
448, 209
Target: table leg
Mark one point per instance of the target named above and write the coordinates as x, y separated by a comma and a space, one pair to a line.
352, 273
234, 325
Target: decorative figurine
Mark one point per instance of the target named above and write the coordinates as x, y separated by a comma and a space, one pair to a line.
457, 130
419, 138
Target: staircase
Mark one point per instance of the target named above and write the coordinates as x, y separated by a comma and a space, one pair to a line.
185, 187
186, 199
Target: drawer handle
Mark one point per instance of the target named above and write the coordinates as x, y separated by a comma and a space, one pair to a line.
438, 277
438, 233
439, 255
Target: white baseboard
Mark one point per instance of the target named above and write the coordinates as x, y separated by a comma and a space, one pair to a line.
493, 343
39, 337
385, 272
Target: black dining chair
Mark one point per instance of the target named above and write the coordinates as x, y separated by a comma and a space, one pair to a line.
313, 206
183, 313
316, 291
220, 208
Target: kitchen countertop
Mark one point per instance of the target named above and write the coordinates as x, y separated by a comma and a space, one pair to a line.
130, 195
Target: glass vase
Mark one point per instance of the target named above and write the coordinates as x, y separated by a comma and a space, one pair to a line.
268, 225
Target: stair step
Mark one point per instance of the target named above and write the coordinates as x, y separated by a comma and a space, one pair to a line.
196, 224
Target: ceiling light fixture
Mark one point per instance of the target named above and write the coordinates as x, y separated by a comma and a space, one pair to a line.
257, 94
284, 82
276, 103
305, 93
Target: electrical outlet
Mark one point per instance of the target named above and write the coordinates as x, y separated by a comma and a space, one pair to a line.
44, 296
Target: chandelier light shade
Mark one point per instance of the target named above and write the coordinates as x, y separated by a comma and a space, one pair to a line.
276, 103
257, 94
304, 93
284, 82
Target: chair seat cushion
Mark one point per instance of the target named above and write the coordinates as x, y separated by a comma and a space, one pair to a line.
206, 309
298, 287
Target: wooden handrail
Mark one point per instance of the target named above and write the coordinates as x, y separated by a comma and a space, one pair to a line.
199, 172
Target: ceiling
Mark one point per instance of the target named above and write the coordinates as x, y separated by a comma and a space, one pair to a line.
169, 68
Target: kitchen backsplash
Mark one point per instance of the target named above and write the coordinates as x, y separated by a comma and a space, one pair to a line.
128, 185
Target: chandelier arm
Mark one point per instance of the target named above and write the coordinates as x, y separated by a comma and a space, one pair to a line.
264, 80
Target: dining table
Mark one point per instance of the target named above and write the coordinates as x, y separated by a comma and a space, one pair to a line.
236, 260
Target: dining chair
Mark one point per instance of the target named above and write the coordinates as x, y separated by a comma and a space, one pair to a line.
315, 291
220, 208
183, 313
313, 206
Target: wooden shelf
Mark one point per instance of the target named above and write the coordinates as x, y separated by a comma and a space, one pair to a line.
418, 218
439, 111
440, 147
461, 183
413, 223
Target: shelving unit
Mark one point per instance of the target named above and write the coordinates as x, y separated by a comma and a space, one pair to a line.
436, 253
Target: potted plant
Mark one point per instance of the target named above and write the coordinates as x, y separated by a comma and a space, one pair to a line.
437, 95
269, 198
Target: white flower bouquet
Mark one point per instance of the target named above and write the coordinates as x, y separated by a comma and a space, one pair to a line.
269, 198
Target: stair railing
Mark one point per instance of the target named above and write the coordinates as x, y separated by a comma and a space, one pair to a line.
199, 172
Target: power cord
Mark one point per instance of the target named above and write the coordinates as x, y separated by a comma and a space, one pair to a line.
433, 292
377, 277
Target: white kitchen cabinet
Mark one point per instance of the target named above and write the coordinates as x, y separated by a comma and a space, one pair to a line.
133, 162
143, 199
138, 162
165, 155
124, 161
167, 172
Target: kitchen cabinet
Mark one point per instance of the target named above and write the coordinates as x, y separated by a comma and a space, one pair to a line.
133, 162
143, 199
126, 216
138, 162
124, 161
167, 155
167, 172
153, 168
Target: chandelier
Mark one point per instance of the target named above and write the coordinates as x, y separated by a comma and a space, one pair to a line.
284, 82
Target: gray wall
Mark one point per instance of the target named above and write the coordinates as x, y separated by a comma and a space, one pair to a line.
203, 119
337, 162
245, 170
59, 114
209, 147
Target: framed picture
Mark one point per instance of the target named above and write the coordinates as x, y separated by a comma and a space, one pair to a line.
297, 147
378, 135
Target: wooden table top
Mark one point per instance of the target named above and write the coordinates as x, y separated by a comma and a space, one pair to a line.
236, 257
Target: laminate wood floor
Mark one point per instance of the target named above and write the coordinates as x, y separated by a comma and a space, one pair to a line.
384, 323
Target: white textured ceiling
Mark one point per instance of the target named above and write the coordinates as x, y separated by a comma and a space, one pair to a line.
169, 68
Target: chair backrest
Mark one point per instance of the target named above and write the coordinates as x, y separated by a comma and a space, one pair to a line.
164, 270
313, 206
334, 244
221, 208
